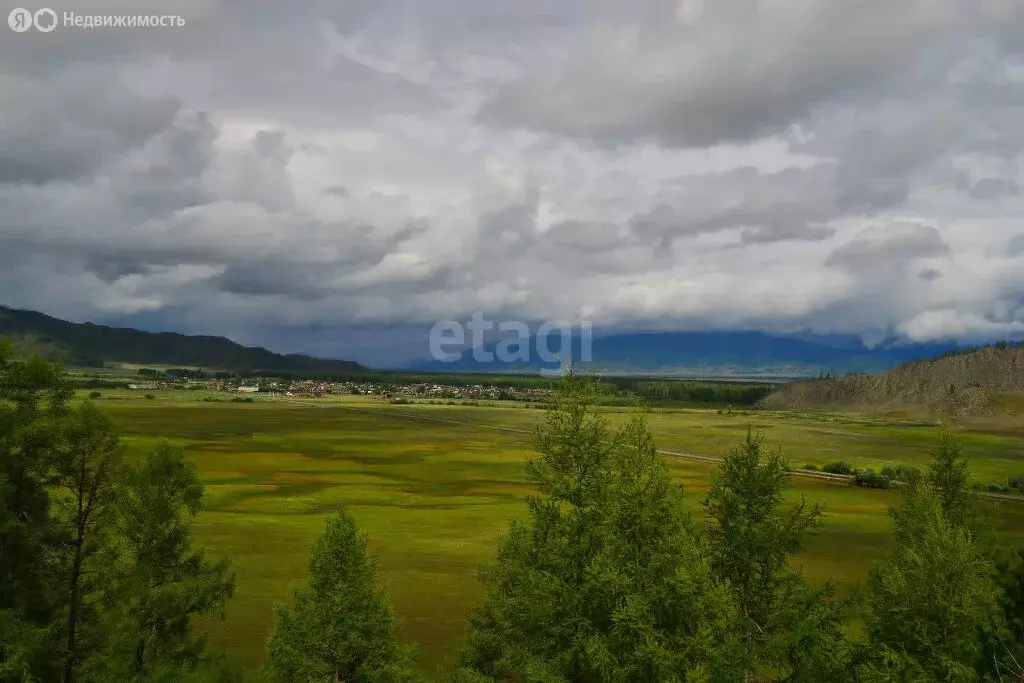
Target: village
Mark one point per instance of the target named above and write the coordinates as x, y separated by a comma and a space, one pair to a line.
279, 388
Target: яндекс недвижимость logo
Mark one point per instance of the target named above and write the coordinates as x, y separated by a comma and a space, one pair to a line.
21, 19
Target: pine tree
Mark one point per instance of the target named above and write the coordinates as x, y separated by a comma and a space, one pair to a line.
607, 578
159, 581
340, 626
785, 625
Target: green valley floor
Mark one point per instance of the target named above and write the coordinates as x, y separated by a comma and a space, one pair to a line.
434, 496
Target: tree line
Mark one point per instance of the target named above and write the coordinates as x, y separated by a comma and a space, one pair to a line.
99, 580
607, 577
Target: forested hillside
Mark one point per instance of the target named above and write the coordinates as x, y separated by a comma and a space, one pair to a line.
86, 344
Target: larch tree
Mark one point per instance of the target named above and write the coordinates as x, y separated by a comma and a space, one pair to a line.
159, 581
84, 501
34, 399
339, 628
786, 626
933, 600
948, 476
606, 578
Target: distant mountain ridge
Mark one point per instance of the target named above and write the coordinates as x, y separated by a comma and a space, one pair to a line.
701, 352
87, 344
965, 382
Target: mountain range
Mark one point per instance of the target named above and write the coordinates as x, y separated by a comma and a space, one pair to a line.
683, 354
89, 345
693, 353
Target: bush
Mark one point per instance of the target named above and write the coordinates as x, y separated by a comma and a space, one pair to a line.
996, 487
871, 479
94, 383
150, 397
903, 474
240, 399
93, 395
1017, 483
840, 467
812, 467
400, 401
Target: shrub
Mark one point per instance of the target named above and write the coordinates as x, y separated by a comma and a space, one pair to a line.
240, 399
871, 479
150, 397
1017, 483
903, 474
996, 487
839, 467
812, 467
400, 401
93, 395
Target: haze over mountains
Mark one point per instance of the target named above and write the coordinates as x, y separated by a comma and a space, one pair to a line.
738, 353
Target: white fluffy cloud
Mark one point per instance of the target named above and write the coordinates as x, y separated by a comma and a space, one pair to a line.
331, 177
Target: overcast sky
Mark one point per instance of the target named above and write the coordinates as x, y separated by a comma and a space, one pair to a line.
332, 176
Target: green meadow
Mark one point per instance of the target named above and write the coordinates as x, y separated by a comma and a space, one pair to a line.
434, 496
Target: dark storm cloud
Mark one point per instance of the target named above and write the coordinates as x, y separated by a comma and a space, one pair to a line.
773, 65
794, 233
787, 205
993, 188
284, 173
44, 137
888, 246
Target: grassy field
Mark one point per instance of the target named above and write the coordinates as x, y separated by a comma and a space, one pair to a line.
434, 497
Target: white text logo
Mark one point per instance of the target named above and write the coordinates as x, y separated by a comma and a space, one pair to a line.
45, 20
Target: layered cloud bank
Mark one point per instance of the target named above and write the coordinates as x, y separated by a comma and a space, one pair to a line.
326, 176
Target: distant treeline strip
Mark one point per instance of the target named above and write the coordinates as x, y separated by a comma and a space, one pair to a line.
1001, 345
702, 392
